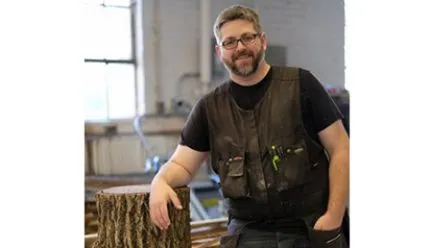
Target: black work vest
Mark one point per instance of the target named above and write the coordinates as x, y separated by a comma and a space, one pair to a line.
268, 165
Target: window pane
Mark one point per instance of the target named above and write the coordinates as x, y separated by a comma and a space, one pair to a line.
123, 3
118, 33
109, 91
93, 2
121, 91
95, 95
107, 32
120, 3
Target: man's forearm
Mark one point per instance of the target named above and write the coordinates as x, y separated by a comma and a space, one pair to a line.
174, 174
339, 183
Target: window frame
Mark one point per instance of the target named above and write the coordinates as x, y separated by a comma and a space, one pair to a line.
112, 60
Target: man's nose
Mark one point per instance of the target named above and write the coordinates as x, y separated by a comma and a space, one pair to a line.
240, 45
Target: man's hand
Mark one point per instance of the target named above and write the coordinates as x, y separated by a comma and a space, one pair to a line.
178, 171
160, 194
328, 222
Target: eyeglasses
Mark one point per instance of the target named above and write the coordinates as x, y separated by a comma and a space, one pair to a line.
246, 39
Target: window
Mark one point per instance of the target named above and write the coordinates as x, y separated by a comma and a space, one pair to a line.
109, 64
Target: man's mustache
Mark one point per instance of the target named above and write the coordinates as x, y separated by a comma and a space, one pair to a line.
242, 53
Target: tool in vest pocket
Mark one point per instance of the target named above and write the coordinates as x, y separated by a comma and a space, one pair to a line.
298, 150
275, 158
238, 158
280, 152
233, 159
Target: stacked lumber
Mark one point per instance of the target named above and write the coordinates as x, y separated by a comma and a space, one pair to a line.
91, 217
207, 233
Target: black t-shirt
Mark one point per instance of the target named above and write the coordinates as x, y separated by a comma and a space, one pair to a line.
318, 109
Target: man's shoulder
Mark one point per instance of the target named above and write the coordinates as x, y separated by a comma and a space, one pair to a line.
305, 78
302, 74
216, 91
298, 73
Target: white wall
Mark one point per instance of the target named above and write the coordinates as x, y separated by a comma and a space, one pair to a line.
312, 31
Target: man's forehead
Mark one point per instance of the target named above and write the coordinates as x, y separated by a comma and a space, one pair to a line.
236, 28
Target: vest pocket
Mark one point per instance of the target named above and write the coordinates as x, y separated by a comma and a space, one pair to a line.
291, 165
233, 178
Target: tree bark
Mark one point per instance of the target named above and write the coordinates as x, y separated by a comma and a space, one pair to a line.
124, 220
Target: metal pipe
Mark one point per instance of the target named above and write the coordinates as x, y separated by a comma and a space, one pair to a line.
156, 26
195, 202
182, 79
205, 54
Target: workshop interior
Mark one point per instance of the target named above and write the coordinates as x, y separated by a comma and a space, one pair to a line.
147, 62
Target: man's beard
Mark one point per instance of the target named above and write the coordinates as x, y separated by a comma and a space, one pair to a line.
246, 69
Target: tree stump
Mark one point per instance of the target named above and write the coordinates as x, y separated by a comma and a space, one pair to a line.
124, 220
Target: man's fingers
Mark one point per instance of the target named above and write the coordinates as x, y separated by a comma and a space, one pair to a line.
160, 221
164, 215
155, 215
159, 209
175, 200
158, 216
318, 225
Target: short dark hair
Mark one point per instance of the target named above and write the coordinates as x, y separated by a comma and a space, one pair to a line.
236, 12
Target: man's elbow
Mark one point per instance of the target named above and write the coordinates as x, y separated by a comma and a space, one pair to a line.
342, 151
187, 171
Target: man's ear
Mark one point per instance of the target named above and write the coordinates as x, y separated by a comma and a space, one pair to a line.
218, 51
263, 39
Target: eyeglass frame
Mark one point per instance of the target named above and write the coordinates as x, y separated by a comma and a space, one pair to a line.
237, 40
